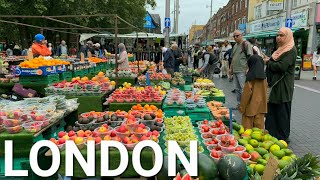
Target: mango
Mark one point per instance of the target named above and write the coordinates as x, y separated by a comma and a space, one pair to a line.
288, 152
256, 136
241, 131
248, 132
266, 157
267, 144
279, 153
274, 148
282, 164
261, 151
284, 143
255, 156
253, 142
262, 161
287, 158
249, 147
267, 137
256, 129
242, 142
259, 168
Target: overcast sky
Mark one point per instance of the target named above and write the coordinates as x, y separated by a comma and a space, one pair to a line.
191, 12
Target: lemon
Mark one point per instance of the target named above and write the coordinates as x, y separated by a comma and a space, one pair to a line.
284, 143
274, 148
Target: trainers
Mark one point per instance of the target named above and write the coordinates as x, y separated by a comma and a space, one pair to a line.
314, 78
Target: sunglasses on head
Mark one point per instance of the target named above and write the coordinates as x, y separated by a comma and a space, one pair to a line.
235, 36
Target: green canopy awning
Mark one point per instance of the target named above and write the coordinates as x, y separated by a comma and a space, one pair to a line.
266, 33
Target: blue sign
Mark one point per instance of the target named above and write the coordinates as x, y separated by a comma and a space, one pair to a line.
289, 22
149, 24
167, 22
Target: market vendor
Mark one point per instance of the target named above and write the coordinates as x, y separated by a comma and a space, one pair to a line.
39, 47
123, 62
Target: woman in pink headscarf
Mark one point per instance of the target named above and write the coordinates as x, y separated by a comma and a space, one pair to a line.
280, 76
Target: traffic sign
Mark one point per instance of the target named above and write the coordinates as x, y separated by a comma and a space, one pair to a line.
289, 22
167, 22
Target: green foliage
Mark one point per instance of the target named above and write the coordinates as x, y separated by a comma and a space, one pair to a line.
133, 11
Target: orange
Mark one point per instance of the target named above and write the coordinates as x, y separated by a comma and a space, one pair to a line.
113, 83
94, 79
84, 79
100, 74
134, 107
106, 79
78, 78
139, 105
159, 115
140, 108
146, 106
149, 109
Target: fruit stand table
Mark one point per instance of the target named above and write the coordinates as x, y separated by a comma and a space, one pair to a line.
122, 80
23, 141
146, 159
128, 106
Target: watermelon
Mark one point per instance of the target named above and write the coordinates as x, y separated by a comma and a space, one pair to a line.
163, 174
207, 168
232, 167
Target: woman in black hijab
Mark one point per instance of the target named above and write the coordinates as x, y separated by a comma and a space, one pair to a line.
253, 105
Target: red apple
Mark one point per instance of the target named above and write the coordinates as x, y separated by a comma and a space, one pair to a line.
61, 134
71, 133
62, 141
113, 134
142, 126
214, 154
155, 133
245, 155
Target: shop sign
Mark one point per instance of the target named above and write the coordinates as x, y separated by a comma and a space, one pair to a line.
300, 19
266, 25
275, 5
307, 62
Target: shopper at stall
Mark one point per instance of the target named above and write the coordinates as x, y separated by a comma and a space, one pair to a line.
16, 51
241, 51
253, 105
88, 47
280, 75
123, 62
178, 57
51, 48
196, 55
316, 62
225, 63
98, 51
207, 69
62, 49
39, 47
169, 59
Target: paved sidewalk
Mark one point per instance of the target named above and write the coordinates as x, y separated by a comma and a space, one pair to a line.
305, 120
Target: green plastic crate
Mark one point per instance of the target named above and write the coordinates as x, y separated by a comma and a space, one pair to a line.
187, 87
38, 138
17, 165
66, 76
188, 79
199, 114
91, 70
50, 79
97, 68
78, 73
211, 98
169, 112
85, 72
131, 59
55, 127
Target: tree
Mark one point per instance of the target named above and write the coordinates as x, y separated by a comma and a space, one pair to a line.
132, 11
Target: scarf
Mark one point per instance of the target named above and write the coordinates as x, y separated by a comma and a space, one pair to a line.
256, 68
287, 46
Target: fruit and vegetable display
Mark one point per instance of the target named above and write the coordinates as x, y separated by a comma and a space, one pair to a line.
175, 97
121, 73
40, 62
180, 129
149, 115
218, 110
32, 114
154, 76
164, 85
137, 94
186, 71
81, 87
95, 60
203, 84
210, 92
129, 132
260, 146
177, 79
194, 100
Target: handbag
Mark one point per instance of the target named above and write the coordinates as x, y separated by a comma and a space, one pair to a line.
269, 89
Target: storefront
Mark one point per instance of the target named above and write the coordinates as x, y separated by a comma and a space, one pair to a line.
266, 30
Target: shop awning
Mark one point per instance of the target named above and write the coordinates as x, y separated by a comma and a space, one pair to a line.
267, 33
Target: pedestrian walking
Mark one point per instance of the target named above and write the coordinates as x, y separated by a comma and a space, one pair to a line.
210, 61
253, 105
225, 63
241, 51
169, 59
316, 62
280, 76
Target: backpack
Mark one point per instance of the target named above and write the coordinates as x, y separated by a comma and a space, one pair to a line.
244, 47
212, 60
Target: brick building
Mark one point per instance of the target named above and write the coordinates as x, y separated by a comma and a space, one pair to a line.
228, 18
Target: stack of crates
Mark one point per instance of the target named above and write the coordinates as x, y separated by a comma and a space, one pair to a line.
199, 114
174, 110
49, 79
66, 76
